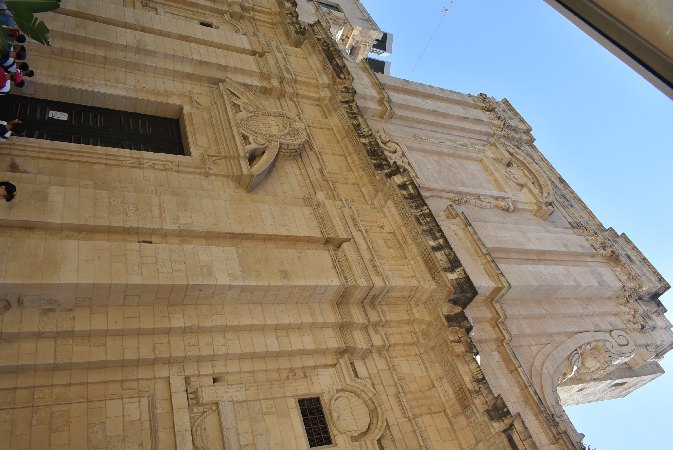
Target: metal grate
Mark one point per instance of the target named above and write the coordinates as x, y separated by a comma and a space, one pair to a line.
315, 423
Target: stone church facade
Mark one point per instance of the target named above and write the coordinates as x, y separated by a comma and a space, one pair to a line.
323, 256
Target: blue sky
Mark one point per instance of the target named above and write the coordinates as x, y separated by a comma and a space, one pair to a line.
606, 130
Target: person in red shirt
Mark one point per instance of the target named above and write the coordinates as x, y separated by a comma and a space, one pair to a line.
4, 83
17, 79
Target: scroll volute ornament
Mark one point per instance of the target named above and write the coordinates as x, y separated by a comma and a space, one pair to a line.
585, 356
590, 361
396, 152
524, 173
266, 134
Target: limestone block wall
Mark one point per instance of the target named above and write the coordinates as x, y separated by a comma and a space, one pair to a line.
166, 301
555, 288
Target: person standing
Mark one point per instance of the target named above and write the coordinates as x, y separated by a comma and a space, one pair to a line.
7, 129
7, 191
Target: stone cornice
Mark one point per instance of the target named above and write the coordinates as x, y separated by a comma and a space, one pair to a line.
435, 247
463, 289
385, 98
642, 284
498, 321
645, 284
294, 30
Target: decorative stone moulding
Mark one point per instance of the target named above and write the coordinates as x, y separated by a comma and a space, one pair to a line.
483, 201
207, 423
396, 152
585, 356
265, 126
349, 414
262, 135
463, 291
513, 143
523, 173
292, 26
356, 408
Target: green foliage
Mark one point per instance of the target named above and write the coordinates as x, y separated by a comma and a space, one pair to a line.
34, 6
24, 15
31, 26
6, 40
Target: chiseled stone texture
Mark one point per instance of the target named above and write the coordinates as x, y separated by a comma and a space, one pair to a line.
312, 242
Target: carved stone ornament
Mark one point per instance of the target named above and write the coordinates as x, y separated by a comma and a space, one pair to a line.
590, 361
584, 356
205, 428
294, 30
523, 172
356, 409
407, 195
264, 134
507, 123
511, 134
483, 201
633, 286
263, 127
636, 317
149, 6
454, 142
517, 175
396, 152
349, 413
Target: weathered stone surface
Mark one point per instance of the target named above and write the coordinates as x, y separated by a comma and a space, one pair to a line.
329, 233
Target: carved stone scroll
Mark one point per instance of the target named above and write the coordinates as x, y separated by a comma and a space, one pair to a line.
512, 135
590, 361
396, 152
517, 175
584, 356
349, 413
264, 134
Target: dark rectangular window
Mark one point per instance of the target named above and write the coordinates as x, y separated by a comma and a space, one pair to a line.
383, 45
377, 65
91, 125
315, 423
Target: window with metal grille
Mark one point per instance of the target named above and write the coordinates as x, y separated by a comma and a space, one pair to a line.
315, 423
